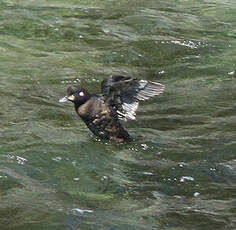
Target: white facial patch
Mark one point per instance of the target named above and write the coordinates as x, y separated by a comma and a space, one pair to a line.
81, 94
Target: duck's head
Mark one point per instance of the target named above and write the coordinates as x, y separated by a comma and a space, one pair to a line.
77, 95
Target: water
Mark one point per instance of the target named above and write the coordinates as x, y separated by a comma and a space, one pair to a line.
180, 171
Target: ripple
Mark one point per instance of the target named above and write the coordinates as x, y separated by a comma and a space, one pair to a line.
78, 211
186, 178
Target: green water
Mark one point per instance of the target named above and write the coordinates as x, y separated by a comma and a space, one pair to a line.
180, 173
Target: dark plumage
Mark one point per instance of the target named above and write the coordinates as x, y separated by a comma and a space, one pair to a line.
119, 100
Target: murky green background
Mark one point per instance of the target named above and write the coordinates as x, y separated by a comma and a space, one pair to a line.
180, 173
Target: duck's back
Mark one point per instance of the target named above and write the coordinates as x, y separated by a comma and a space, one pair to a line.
102, 119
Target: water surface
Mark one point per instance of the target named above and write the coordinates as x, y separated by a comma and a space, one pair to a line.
180, 171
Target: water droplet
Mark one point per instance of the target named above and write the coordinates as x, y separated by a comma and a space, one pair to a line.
186, 178
104, 178
148, 173
161, 72
57, 159
144, 146
21, 160
231, 73
196, 194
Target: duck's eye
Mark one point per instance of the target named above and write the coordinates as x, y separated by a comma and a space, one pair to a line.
81, 93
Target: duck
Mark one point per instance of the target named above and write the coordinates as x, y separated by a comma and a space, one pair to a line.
119, 100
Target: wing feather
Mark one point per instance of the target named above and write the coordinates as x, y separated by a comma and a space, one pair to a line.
125, 93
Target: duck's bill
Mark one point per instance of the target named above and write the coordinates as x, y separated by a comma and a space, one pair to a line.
64, 99
67, 98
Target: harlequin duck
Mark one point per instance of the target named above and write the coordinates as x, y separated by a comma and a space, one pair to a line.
119, 101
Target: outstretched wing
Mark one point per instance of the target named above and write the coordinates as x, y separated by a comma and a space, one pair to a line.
125, 93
